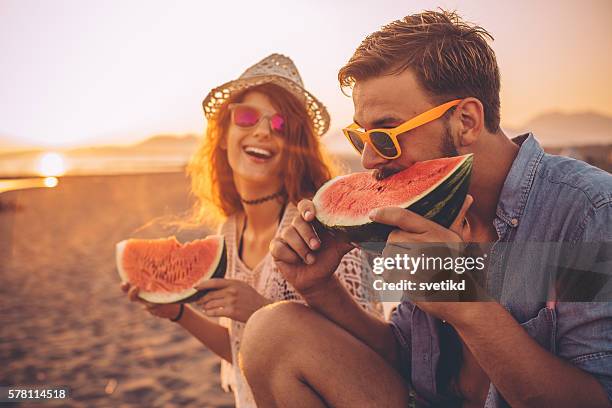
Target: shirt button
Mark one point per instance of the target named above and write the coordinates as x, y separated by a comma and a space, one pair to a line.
514, 222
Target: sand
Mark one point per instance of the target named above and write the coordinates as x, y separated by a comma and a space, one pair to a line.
63, 318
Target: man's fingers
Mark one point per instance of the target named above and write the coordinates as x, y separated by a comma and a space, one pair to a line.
307, 210
398, 238
304, 229
458, 225
466, 231
280, 251
125, 286
403, 219
296, 243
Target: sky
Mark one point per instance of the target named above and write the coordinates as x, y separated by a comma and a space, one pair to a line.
80, 73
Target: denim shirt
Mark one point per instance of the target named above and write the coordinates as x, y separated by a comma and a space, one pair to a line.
544, 198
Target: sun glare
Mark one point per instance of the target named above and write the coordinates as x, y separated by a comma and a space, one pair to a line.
50, 182
51, 164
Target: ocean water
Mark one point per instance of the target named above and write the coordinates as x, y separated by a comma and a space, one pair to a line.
28, 164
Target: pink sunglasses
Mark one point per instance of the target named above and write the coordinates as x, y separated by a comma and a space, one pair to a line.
247, 116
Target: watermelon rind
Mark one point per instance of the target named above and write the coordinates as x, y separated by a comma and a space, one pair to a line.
186, 296
440, 203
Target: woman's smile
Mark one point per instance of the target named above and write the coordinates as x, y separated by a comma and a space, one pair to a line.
259, 154
254, 152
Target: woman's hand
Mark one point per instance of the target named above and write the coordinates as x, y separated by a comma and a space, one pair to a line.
167, 311
230, 298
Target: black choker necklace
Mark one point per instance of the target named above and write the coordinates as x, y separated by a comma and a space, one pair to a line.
279, 193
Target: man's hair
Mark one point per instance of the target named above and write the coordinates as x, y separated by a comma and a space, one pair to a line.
450, 57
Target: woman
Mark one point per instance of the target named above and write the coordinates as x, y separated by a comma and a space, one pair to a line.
260, 156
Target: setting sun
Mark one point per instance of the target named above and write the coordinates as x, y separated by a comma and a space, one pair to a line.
50, 182
51, 164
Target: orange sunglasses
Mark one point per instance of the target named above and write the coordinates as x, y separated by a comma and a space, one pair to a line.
384, 141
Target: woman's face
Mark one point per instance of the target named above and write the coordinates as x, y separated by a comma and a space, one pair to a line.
254, 153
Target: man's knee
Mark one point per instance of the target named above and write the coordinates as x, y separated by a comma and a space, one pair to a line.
271, 314
268, 334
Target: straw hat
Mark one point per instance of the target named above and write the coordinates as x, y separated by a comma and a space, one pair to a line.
277, 69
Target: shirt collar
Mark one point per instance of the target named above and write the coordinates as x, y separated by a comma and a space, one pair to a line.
519, 180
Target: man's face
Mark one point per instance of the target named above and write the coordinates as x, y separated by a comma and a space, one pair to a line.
390, 100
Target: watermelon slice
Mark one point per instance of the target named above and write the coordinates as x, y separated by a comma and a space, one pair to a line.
434, 189
166, 271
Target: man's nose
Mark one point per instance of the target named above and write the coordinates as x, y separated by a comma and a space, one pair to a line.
370, 159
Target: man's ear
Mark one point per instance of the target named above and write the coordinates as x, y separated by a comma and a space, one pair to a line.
471, 121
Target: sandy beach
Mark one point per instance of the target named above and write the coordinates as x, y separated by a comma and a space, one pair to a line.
63, 318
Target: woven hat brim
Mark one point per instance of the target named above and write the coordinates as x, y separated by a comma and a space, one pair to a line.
218, 96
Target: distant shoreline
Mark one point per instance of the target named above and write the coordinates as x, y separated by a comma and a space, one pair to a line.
25, 165
152, 172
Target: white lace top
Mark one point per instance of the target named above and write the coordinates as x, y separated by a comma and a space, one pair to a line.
354, 272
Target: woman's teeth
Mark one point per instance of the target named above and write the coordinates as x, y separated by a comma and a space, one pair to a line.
258, 152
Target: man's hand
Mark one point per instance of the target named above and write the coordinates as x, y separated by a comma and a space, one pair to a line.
305, 259
413, 228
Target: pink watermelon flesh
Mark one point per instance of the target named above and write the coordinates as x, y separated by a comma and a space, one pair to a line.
165, 266
355, 195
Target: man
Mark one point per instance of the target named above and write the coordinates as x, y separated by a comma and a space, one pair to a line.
513, 353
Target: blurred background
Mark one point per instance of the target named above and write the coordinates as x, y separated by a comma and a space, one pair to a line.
100, 109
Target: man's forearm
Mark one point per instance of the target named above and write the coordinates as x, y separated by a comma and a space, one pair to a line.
334, 302
523, 372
